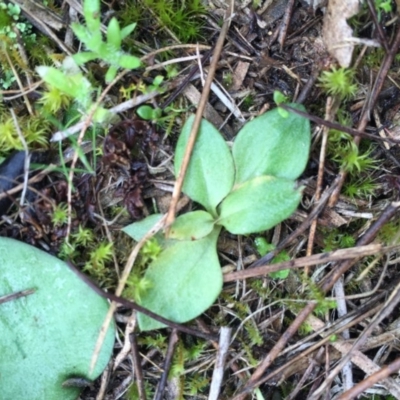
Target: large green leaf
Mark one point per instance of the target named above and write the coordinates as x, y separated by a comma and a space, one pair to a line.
272, 144
185, 280
259, 204
210, 174
49, 336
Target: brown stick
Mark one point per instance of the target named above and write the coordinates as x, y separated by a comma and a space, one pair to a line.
385, 372
197, 120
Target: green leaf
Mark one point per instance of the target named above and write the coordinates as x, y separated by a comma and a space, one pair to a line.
76, 85
210, 174
46, 337
114, 36
91, 12
82, 58
185, 280
145, 112
272, 145
111, 73
258, 205
192, 226
127, 30
280, 274
129, 62
80, 31
279, 97
137, 230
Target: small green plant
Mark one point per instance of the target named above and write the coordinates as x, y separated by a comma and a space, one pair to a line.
339, 82
263, 247
383, 6
108, 51
10, 23
60, 214
70, 80
98, 257
35, 130
248, 190
358, 162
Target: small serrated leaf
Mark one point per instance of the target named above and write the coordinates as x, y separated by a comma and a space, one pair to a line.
127, 30
259, 204
272, 144
210, 174
82, 58
91, 12
80, 31
114, 36
129, 62
111, 74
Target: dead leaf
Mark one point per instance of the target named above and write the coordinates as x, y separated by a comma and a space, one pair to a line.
337, 33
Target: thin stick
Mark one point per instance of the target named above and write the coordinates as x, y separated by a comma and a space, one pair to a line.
27, 157
218, 374
315, 259
197, 120
16, 295
331, 109
121, 285
137, 367
392, 368
254, 380
75, 157
173, 340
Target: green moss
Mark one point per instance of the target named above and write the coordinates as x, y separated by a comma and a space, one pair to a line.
183, 19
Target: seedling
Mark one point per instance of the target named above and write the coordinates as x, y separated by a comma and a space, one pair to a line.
70, 79
248, 190
108, 51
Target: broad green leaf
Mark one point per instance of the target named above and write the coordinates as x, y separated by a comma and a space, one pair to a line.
145, 112
129, 62
114, 37
137, 230
210, 174
91, 12
127, 30
185, 280
272, 145
46, 337
258, 205
192, 226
